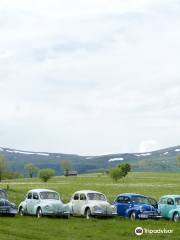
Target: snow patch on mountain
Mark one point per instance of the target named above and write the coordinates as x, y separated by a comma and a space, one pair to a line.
20, 152
177, 150
166, 153
43, 154
143, 154
115, 159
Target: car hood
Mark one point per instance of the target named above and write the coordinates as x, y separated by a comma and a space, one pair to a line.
145, 207
52, 202
100, 203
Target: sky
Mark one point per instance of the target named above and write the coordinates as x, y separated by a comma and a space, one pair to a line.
89, 77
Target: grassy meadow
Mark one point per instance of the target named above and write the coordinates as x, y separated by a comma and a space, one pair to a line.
76, 228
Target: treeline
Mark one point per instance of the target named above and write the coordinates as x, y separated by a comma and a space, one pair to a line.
31, 170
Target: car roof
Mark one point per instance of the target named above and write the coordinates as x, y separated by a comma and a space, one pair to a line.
130, 194
170, 196
87, 191
38, 190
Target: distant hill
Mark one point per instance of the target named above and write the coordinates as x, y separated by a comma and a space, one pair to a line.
161, 160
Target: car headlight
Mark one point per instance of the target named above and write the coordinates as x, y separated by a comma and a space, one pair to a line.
141, 209
114, 208
47, 207
97, 208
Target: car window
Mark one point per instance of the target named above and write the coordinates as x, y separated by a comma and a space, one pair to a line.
163, 201
126, 199
170, 201
35, 196
82, 197
177, 201
29, 196
76, 197
120, 199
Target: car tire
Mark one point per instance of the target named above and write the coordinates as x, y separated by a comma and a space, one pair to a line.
39, 213
21, 211
88, 214
176, 217
133, 216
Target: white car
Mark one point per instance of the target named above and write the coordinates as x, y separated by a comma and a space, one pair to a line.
91, 203
43, 202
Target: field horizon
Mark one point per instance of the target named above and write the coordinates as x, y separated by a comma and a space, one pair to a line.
29, 227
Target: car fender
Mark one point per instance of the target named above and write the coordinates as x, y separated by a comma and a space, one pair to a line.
172, 211
130, 210
85, 207
23, 205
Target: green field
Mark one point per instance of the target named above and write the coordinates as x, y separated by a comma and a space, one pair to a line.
152, 184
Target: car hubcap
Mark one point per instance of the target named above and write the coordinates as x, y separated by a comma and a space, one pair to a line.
133, 216
21, 212
39, 213
88, 214
176, 217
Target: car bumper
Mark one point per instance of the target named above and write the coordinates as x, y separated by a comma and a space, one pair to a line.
56, 214
7, 211
103, 214
149, 216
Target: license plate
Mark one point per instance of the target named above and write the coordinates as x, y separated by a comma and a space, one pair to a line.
143, 216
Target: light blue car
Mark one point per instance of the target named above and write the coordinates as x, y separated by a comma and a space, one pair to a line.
43, 202
169, 207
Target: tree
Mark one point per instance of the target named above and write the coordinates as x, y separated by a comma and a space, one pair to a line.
31, 169
120, 171
116, 173
126, 168
66, 166
3, 167
46, 173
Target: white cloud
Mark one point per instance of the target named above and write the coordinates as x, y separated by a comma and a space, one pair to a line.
89, 76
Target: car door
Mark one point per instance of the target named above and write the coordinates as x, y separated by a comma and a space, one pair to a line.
82, 202
170, 205
29, 202
123, 203
75, 204
34, 203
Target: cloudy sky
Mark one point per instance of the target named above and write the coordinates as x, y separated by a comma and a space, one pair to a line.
89, 76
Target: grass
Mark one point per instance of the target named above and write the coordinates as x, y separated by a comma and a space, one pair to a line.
152, 184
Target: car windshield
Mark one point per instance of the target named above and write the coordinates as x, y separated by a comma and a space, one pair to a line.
96, 196
177, 201
49, 195
140, 200
3, 195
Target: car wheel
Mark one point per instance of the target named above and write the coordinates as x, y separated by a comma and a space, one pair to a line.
21, 211
176, 217
88, 214
39, 213
133, 216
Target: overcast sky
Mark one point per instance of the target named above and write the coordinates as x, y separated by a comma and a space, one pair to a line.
89, 76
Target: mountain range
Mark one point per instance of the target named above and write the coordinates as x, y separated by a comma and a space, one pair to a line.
160, 160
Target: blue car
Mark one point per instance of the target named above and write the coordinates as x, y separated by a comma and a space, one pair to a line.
136, 206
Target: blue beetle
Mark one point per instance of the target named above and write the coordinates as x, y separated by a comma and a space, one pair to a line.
136, 206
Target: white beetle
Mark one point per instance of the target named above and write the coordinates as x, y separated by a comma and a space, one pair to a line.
91, 203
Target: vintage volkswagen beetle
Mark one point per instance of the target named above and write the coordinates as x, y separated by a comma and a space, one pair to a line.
43, 202
91, 203
136, 206
169, 207
6, 207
